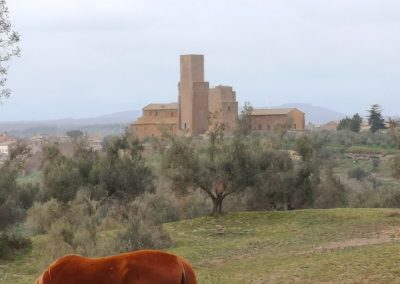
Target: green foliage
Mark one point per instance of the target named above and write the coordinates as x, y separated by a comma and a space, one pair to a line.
9, 47
71, 227
375, 118
221, 168
121, 170
244, 120
14, 198
396, 167
10, 243
394, 126
375, 164
312, 147
352, 124
331, 193
41, 216
275, 183
146, 214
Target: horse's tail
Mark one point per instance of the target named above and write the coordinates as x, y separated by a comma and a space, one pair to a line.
188, 276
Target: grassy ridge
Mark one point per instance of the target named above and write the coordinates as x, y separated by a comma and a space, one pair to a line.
338, 245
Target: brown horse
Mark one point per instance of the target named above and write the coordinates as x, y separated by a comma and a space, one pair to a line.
140, 267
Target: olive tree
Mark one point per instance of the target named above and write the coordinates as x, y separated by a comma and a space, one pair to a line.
8, 47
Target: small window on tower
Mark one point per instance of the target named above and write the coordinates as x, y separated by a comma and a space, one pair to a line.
229, 108
185, 126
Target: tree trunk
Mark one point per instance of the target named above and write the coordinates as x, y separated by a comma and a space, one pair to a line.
217, 204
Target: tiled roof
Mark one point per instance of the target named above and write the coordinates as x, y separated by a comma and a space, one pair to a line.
171, 106
6, 138
273, 111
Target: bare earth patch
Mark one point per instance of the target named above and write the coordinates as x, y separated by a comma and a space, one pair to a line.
383, 237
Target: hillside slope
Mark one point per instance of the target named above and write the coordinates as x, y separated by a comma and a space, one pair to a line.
311, 246
307, 246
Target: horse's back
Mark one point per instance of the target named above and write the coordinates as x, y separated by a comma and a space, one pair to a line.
144, 267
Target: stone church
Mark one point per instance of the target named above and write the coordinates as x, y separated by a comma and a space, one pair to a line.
197, 100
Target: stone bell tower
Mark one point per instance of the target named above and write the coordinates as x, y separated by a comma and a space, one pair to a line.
193, 95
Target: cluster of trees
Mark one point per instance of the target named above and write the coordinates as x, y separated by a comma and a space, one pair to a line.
352, 124
15, 200
121, 170
375, 120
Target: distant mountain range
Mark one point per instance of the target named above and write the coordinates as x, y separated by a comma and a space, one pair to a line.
115, 123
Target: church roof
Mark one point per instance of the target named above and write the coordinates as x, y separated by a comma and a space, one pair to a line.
171, 106
274, 111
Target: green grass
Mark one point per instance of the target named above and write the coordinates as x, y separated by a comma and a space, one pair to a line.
364, 149
274, 247
34, 178
286, 247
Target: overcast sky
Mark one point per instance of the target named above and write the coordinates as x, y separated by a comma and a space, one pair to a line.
83, 58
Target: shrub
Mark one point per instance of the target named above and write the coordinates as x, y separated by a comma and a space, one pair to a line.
197, 205
330, 193
11, 242
146, 214
42, 216
396, 167
375, 164
357, 173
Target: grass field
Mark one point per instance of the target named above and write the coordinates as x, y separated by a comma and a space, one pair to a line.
309, 246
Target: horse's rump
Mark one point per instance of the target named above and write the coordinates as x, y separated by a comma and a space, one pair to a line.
144, 267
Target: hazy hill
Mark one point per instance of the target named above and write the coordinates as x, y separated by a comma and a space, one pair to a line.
115, 123
105, 124
316, 114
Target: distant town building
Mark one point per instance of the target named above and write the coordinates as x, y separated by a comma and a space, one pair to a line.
6, 144
5, 147
196, 100
269, 119
94, 142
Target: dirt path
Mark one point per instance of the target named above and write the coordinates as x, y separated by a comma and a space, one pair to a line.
382, 237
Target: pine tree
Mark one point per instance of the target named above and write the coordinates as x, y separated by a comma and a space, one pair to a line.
375, 118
